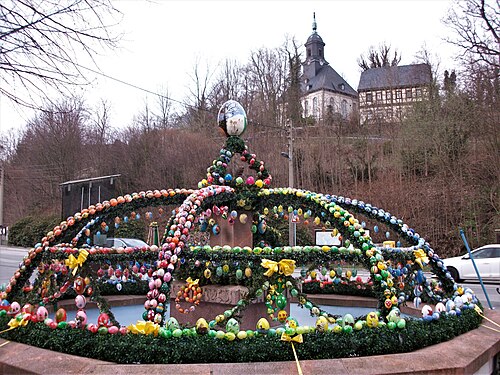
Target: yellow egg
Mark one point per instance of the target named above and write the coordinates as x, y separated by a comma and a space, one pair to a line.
322, 324
248, 272
262, 325
201, 326
372, 319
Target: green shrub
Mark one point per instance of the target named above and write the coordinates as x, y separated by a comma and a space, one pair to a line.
31, 229
132, 229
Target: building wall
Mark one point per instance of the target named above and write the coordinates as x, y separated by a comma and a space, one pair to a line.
389, 104
316, 104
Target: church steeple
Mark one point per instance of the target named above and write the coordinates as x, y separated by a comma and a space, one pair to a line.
314, 52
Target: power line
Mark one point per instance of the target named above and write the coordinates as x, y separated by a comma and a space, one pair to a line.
166, 97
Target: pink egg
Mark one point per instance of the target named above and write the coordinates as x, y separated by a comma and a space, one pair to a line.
113, 330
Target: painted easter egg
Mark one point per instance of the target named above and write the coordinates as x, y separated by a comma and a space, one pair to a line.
232, 326
232, 118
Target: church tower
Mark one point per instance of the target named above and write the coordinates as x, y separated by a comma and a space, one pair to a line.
323, 89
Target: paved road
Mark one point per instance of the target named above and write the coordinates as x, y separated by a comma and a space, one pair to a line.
10, 257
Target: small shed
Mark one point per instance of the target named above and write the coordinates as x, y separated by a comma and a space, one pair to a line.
79, 194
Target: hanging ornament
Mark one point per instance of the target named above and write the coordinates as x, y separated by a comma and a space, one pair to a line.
243, 218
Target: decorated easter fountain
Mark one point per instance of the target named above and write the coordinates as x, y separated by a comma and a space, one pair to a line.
236, 211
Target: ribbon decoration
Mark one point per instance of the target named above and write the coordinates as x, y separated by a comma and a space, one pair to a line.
420, 257
284, 266
73, 263
18, 321
480, 313
144, 328
298, 339
192, 282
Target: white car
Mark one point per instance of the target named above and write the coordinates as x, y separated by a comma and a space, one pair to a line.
487, 259
125, 242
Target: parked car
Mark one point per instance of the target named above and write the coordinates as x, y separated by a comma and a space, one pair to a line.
487, 259
124, 242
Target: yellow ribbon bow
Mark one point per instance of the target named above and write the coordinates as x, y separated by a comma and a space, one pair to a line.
296, 338
73, 263
284, 266
421, 257
144, 328
192, 282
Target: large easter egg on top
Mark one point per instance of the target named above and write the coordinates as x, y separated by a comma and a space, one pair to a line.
232, 118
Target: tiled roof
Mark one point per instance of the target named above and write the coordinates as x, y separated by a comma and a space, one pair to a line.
328, 79
395, 76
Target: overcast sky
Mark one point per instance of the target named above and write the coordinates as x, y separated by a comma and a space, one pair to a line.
163, 40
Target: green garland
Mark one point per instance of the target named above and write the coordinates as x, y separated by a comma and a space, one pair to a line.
261, 348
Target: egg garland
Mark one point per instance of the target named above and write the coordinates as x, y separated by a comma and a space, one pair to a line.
175, 254
191, 293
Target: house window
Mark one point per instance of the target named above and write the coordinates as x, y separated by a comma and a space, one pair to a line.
399, 94
418, 93
389, 112
369, 98
342, 86
408, 93
306, 108
388, 95
315, 107
343, 108
332, 104
379, 96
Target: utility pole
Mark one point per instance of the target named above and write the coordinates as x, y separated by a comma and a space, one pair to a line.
2, 167
292, 225
1, 191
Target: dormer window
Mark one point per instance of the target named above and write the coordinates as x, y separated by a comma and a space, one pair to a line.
342, 86
308, 52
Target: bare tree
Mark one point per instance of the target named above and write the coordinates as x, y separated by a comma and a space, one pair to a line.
477, 27
379, 58
44, 41
163, 112
198, 103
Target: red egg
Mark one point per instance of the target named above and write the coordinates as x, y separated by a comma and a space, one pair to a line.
103, 320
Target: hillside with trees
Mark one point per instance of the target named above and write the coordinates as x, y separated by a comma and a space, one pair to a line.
438, 169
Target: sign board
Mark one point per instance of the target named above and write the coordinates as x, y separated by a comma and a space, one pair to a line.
326, 238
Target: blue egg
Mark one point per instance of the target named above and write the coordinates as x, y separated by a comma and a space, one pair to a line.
375, 228
228, 177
